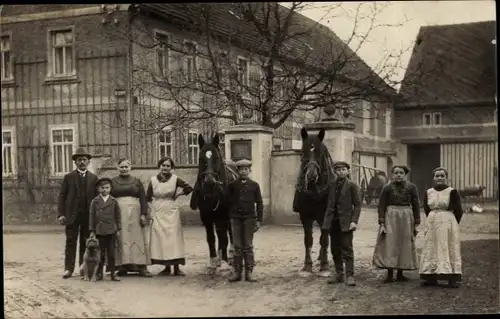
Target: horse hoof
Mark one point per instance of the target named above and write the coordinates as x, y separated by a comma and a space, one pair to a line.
305, 274
324, 273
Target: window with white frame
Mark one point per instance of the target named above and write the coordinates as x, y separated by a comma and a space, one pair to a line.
165, 143
431, 119
163, 53
243, 74
9, 147
63, 143
190, 61
6, 62
193, 147
62, 52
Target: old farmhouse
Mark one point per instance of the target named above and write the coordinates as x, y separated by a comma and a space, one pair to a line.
449, 117
68, 75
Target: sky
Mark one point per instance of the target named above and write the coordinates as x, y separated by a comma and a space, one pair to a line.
410, 15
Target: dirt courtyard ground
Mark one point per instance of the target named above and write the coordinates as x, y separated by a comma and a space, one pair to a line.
34, 287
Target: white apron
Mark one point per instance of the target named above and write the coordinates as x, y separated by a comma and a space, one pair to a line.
167, 240
441, 252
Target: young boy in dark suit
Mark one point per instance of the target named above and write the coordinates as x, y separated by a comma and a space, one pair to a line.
244, 199
341, 219
105, 221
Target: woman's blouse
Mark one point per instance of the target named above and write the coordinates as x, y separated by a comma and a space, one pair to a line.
186, 188
455, 204
399, 194
129, 186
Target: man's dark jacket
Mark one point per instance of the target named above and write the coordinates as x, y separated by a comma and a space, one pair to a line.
68, 195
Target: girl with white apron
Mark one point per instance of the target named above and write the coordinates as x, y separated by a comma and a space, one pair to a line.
167, 240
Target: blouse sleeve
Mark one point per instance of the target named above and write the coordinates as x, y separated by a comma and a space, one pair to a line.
142, 198
455, 205
415, 204
149, 192
187, 189
382, 204
427, 209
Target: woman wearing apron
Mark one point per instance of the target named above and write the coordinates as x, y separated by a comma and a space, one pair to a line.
167, 240
132, 250
399, 216
441, 257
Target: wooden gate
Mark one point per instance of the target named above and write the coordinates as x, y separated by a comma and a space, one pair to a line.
472, 164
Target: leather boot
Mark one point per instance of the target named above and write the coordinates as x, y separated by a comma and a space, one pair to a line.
338, 278
351, 281
67, 274
248, 275
238, 268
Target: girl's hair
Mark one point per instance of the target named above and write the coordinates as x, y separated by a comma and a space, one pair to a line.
164, 159
124, 159
440, 169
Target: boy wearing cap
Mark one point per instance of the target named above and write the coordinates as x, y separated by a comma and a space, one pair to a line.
341, 219
245, 200
105, 223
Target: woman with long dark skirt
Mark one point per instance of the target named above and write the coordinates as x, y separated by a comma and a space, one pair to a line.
399, 215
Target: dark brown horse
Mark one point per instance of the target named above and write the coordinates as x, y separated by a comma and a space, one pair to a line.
311, 196
210, 197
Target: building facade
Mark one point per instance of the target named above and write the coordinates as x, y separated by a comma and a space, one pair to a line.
449, 114
67, 82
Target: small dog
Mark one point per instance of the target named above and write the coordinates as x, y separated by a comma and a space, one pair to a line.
91, 259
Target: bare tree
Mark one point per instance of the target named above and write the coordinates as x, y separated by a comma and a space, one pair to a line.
256, 60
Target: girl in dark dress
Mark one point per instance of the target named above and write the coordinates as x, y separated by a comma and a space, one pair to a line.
441, 258
399, 215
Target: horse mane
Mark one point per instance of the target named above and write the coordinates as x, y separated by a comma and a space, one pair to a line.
326, 175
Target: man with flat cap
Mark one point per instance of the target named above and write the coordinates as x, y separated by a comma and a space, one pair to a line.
77, 191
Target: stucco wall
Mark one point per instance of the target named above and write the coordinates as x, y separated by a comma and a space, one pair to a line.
284, 167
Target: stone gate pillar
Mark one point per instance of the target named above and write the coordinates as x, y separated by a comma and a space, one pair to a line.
339, 138
253, 142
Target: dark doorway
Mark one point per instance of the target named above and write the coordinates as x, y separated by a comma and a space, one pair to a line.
423, 158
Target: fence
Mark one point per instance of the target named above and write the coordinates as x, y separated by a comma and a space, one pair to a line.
45, 118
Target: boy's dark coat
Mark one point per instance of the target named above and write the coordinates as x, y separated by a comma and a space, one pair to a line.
105, 217
349, 205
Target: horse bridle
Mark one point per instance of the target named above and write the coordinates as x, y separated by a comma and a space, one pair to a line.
218, 184
312, 162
